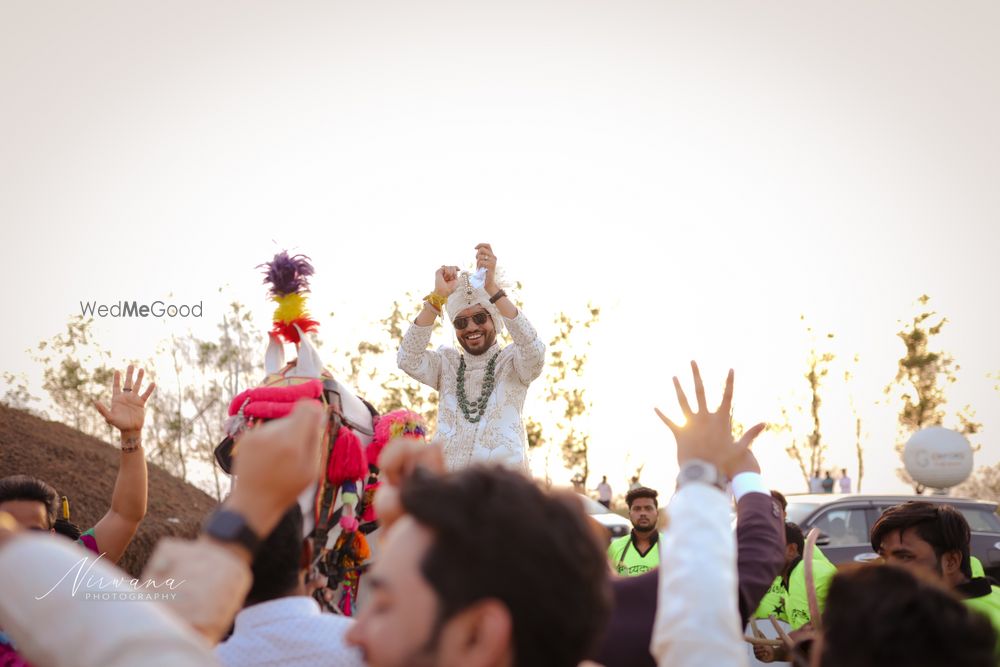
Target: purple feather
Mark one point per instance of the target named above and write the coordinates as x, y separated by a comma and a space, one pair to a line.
287, 275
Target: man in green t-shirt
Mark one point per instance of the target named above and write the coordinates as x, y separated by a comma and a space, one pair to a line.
639, 551
934, 538
787, 598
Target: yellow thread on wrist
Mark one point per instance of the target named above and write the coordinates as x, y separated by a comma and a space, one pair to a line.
436, 300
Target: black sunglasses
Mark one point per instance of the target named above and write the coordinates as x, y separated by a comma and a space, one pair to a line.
479, 318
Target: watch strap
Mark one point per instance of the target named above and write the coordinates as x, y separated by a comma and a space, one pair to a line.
697, 470
232, 528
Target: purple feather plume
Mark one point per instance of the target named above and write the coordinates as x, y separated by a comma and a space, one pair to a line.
287, 275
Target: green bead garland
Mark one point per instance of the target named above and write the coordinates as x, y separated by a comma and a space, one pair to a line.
475, 412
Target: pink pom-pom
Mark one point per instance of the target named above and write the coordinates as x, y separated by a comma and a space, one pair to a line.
347, 460
349, 524
405, 423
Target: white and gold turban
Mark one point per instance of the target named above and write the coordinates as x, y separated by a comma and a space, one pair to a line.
470, 292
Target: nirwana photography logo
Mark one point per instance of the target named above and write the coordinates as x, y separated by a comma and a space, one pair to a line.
89, 586
135, 309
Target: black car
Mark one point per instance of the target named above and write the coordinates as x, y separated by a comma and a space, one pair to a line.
845, 523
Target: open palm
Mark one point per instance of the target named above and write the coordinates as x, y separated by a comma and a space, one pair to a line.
128, 406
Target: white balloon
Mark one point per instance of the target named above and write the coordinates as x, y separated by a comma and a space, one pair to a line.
938, 457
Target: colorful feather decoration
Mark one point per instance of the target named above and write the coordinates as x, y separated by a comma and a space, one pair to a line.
288, 277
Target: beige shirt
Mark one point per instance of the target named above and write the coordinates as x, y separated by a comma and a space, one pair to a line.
499, 437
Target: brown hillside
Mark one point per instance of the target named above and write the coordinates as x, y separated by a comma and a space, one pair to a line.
84, 469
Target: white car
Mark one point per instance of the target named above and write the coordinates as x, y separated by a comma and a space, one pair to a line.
615, 523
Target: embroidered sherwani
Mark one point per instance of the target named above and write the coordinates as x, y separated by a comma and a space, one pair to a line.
499, 437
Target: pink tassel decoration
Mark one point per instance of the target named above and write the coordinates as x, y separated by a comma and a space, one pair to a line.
347, 460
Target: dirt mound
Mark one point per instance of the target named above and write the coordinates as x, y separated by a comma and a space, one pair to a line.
84, 469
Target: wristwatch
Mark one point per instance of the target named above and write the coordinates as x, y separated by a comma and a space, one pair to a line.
231, 528
697, 470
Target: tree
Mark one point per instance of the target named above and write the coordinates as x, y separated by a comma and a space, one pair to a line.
18, 396
76, 373
858, 437
187, 415
921, 378
984, 484
399, 390
567, 353
369, 369
809, 451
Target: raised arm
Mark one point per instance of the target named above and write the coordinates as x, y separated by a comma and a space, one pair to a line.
529, 350
128, 502
413, 357
697, 616
208, 578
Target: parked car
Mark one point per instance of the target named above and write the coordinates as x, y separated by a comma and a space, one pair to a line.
845, 523
616, 524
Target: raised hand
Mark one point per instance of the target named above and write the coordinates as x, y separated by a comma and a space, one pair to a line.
446, 280
128, 406
747, 462
708, 435
398, 460
275, 463
486, 258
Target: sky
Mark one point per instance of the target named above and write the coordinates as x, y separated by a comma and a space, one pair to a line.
706, 172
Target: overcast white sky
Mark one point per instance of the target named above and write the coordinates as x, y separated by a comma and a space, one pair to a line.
705, 171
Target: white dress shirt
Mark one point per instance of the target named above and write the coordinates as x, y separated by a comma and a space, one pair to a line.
286, 632
697, 613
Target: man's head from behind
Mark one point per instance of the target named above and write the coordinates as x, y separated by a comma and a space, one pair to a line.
779, 498
279, 563
795, 543
928, 536
32, 502
879, 615
484, 569
642, 508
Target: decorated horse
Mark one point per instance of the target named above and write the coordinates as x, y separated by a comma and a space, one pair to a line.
337, 512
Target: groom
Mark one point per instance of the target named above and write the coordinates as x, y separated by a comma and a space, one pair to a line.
481, 388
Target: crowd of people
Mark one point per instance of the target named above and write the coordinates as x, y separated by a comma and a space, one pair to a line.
827, 483
477, 564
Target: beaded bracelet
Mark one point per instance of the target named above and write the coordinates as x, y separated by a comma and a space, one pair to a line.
131, 444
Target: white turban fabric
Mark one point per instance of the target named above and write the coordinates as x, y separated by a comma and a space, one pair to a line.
470, 293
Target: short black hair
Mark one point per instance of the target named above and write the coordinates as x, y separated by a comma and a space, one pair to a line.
880, 615
793, 535
641, 492
25, 487
278, 562
942, 526
497, 535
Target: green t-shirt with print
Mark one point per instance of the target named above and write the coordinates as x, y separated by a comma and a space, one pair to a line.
626, 559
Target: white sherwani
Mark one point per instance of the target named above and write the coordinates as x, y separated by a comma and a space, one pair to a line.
499, 437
